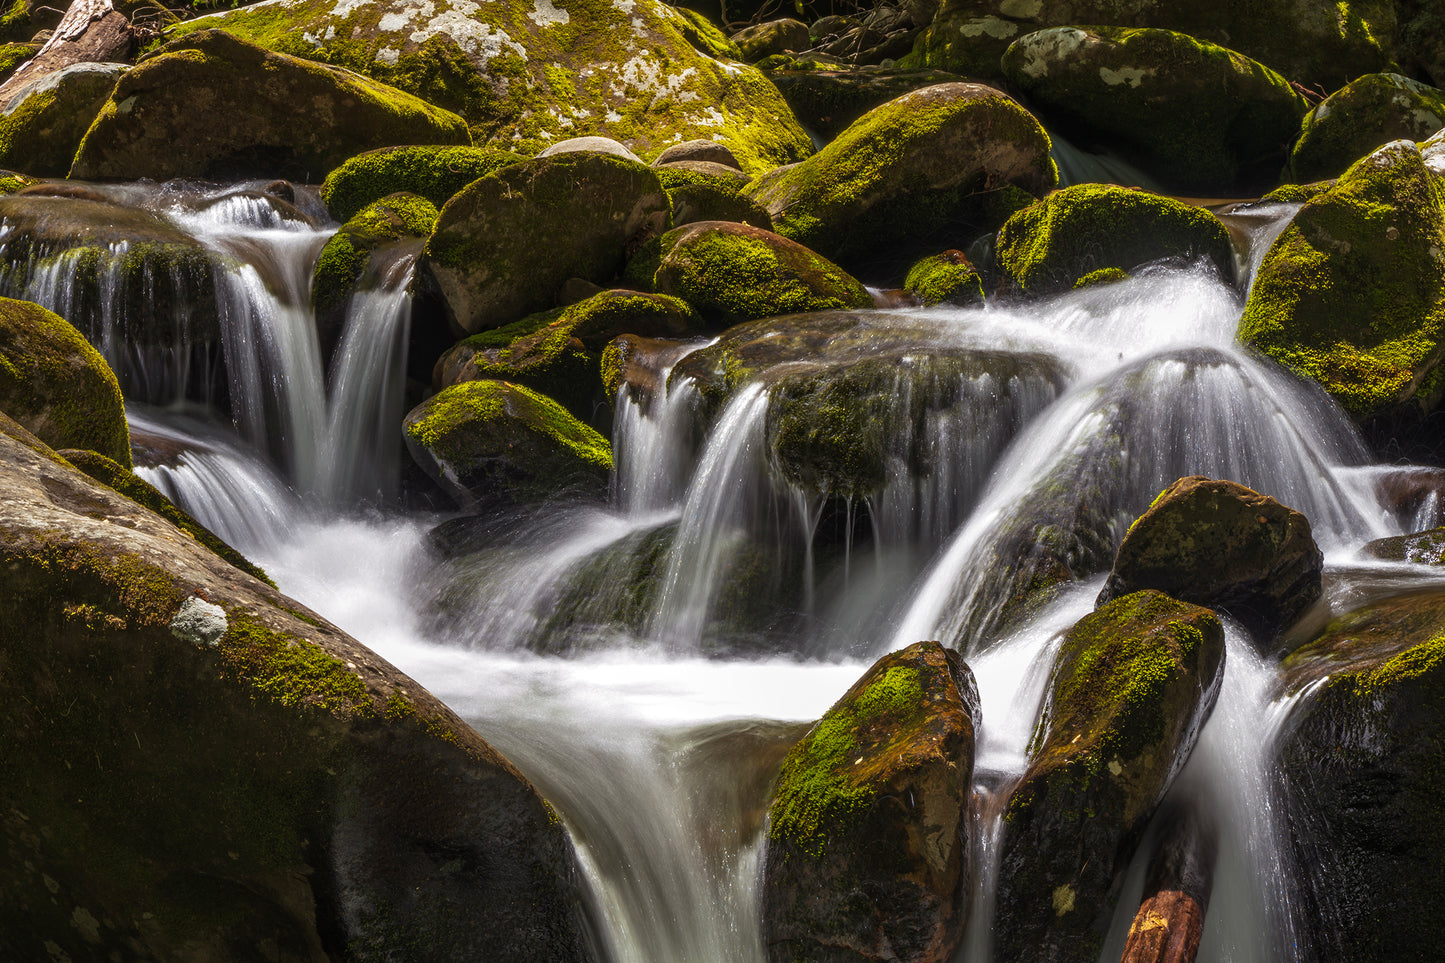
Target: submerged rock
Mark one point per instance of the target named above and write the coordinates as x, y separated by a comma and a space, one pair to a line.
1361, 116
197, 109
44, 122
1426, 548
1219, 544
1132, 685
865, 856
435, 173
1052, 245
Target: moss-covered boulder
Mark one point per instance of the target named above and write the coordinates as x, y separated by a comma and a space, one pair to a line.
705, 36
56, 385
495, 442
680, 173
210, 105
1361, 116
934, 167
709, 202
734, 272
1132, 685
433, 172
44, 122
258, 781
866, 857
14, 55
1047, 247
1219, 544
827, 101
1352, 294
527, 74
505, 245
697, 150
1363, 758
1199, 117
947, 278
771, 37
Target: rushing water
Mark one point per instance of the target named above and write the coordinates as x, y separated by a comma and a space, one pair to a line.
647, 661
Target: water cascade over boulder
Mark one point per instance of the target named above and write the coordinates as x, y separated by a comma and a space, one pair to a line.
1364, 114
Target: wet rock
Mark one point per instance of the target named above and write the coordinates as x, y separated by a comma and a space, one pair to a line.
1361, 116
734, 272
1362, 758
636, 363
1219, 544
1170, 922
1132, 685
505, 245
947, 278
56, 385
1352, 294
865, 856
435, 173
826, 102
934, 167
195, 109
1415, 496
44, 122
275, 785
1200, 118
773, 37
1427, 548
490, 441
1049, 247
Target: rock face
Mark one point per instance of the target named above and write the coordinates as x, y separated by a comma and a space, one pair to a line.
865, 855
935, 167
1361, 116
1051, 246
1352, 294
1219, 544
44, 123
56, 385
491, 441
527, 73
258, 781
1132, 685
1201, 118
504, 246
435, 173
212, 106
1363, 758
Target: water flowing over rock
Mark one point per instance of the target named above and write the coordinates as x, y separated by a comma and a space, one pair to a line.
256, 778
45, 121
1352, 294
1219, 544
933, 168
1427, 548
210, 105
1131, 687
865, 853
504, 246
1201, 118
1364, 114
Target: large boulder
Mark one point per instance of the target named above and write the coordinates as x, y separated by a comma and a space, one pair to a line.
56, 385
1050, 246
928, 170
1361, 116
44, 122
866, 857
1219, 544
827, 101
212, 106
433, 172
1364, 759
526, 74
1352, 294
259, 784
1132, 685
504, 246
1200, 118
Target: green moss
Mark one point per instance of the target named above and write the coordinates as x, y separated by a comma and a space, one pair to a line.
1109, 275
12, 55
1366, 113
10, 183
434, 173
444, 428
704, 35
289, 670
945, 278
347, 255
1297, 193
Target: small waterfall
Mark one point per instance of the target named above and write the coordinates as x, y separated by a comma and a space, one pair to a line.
652, 441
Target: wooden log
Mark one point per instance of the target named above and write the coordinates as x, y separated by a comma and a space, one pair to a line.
92, 31
1170, 921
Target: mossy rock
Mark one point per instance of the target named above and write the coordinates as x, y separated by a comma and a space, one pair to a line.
692, 203
1364, 765
435, 173
1132, 685
1101, 276
1361, 116
681, 173
45, 121
1424, 548
947, 278
705, 36
257, 778
524, 76
1219, 544
866, 856
1352, 294
495, 442
1199, 117
734, 272
827, 101
14, 55
1296, 193
56, 385
12, 182
936, 166
212, 106
504, 246
762, 40
1047, 247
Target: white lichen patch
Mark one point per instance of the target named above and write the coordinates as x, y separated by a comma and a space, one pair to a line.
546, 14
199, 622
1047, 47
1133, 76
345, 8
84, 921
481, 41
711, 117
388, 56
994, 27
1115, 768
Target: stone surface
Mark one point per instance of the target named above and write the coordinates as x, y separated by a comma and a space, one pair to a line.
1426, 548
947, 278
435, 173
44, 122
1361, 116
826, 102
771, 37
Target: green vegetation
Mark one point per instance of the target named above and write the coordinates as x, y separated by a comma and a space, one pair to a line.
947, 278
434, 173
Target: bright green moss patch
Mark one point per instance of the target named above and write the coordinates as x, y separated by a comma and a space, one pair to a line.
1101, 276
347, 255
289, 670
947, 278
434, 173
1369, 111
